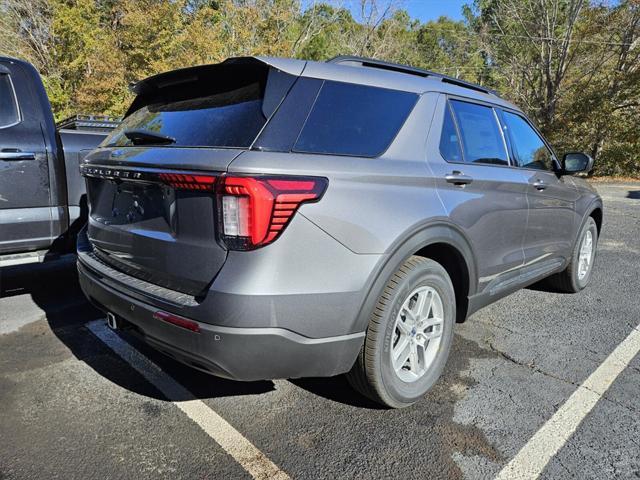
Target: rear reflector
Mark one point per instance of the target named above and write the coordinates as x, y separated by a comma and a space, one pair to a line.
256, 210
177, 321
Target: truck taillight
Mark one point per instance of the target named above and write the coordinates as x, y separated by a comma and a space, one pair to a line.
255, 210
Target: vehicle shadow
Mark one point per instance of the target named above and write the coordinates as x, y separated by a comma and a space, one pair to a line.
635, 194
54, 288
336, 389
545, 285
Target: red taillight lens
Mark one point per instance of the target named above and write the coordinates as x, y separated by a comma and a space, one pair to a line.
187, 181
255, 210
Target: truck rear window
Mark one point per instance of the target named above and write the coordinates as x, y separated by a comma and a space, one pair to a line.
226, 109
351, 119
8, 107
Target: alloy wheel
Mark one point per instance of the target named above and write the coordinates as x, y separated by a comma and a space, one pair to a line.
417, 334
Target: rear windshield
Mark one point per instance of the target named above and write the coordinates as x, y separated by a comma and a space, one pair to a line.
226, 108
351, 119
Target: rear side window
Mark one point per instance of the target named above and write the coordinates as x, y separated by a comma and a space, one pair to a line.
482, 141
350, 119
9, 114
449, 141
225, 108
529, 149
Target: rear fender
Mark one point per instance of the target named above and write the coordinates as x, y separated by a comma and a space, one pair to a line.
412, 242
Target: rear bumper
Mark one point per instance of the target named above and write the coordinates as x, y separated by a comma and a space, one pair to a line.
229, 352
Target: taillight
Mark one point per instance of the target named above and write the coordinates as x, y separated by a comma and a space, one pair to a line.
255, 210
188, 181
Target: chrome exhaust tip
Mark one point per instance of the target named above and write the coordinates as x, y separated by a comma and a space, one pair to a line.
112, 321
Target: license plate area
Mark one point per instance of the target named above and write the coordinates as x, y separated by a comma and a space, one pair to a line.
147, 205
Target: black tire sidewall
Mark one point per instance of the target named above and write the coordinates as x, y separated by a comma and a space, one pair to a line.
428, 274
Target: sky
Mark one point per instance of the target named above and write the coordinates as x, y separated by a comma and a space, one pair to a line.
425, 10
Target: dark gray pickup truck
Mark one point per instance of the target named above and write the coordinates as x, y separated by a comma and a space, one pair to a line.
42, 195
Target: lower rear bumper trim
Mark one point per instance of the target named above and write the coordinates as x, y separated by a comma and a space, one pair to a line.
230, 352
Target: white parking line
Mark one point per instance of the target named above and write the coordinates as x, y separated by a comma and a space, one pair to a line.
232, 441
531, 460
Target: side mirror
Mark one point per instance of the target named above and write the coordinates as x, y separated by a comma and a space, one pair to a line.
576, 162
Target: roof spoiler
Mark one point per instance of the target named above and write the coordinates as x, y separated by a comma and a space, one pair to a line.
185, 75
152, 85
181, 75
356, 61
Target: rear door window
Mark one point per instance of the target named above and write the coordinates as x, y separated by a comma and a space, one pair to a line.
482, 140
449, 141
9, 113
350, 119
529, 149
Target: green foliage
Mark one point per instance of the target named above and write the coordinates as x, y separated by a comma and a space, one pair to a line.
572, 65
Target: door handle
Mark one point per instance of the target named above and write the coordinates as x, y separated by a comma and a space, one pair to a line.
458, 178
15, 155
540, 185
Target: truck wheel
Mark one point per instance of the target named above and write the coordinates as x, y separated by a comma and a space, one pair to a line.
409, 335
577, 275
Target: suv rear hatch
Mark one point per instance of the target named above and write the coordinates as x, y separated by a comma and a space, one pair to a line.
153, 211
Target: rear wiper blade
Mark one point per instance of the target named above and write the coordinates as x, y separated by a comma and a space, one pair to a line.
146, 137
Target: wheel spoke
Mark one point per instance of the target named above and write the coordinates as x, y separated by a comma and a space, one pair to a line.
419, 305
409, 315
427, 306
436, 332
401, 353
413, 358
403, 327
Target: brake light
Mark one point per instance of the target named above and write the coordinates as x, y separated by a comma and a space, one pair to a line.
187, 181
256, 210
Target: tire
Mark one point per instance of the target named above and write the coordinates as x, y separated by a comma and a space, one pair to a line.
572, 279
374, 373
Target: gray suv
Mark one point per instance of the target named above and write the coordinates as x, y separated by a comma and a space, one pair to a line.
272, 218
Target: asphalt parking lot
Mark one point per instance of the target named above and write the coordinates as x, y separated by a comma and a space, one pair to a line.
79, 401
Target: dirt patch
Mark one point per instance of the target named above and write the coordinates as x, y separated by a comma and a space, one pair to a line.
614, 179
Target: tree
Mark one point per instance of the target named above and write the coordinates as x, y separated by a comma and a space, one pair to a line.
572, 65
533, 44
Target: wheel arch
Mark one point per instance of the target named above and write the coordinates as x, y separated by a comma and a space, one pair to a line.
596, 213
444, 243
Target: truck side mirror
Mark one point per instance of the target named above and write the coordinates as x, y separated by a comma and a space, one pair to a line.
577, 162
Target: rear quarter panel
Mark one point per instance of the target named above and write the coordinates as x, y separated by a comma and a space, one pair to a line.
370, 202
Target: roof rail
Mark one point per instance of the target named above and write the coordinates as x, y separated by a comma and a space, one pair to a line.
102, 123
396, 67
